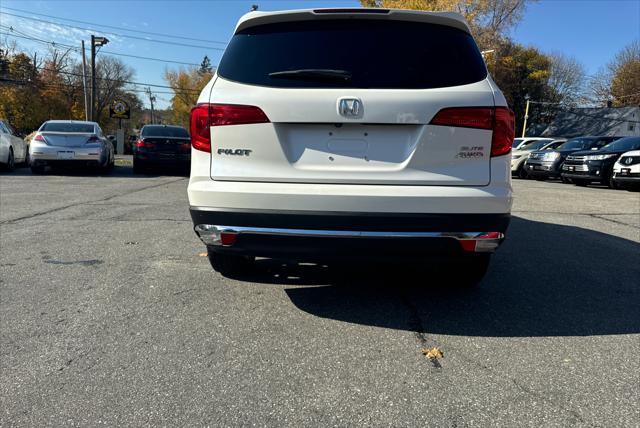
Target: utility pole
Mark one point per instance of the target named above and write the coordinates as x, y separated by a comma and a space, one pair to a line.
84, 83
95, 41
93, 77
526, 116
152, 98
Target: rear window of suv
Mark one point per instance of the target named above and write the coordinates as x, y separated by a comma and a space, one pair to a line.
360, 53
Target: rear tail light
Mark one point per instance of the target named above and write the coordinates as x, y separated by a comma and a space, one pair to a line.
204, 116
185, 147
142, 144
504, 127
40, 138
499, 119
93, 139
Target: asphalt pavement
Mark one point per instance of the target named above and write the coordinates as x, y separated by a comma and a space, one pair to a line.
110, 315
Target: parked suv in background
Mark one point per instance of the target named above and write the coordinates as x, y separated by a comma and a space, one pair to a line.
588, 166
324, 134
545, 164
626, 170
518, 157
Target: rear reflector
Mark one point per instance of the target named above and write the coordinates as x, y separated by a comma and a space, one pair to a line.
204, 116
485, 243
228, 238
499, 119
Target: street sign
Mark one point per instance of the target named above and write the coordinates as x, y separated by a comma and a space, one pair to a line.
119, 109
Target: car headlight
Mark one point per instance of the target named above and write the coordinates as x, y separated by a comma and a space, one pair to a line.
551, 156
599, 157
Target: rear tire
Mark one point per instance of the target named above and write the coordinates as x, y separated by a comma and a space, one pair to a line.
11, 161
565, 180
229, 264
610, 182
471, 270
522, 173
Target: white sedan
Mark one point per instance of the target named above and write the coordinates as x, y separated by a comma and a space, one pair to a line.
626, 170
13, 149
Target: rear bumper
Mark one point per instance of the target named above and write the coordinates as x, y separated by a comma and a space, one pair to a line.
163, 158
50, 154
542, 169
311, 235
633, 178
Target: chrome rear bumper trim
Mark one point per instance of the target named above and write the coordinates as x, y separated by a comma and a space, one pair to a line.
211, 234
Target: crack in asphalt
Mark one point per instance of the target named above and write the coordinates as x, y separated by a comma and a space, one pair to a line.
417, 325
599, 216
108, 198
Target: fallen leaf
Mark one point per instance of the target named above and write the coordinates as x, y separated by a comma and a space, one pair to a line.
202, 254
432, 353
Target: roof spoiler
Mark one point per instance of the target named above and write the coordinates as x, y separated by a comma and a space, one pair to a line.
353, 10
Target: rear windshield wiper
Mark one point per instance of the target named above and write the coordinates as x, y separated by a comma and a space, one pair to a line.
313, 74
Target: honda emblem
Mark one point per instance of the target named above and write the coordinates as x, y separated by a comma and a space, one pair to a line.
350, 107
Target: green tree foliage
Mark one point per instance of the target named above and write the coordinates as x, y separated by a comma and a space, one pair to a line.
489, 19
625, 69
32, 93
186, 84
205, 66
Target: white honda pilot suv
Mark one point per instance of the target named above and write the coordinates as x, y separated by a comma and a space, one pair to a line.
340, 133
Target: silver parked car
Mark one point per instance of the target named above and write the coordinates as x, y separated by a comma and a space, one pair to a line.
70, 142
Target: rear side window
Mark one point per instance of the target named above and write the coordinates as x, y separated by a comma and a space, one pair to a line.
371, 53
164, 131
623, 145
81, 128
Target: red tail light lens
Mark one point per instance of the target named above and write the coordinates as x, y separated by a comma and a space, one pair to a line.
39, 138
141, 144
93, 139
500, 119
203, 116
185, 147
504, 128
465, 117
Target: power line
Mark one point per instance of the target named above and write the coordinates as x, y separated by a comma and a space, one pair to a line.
146, 39
79, 86
110, 53
117, 28
69, 73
